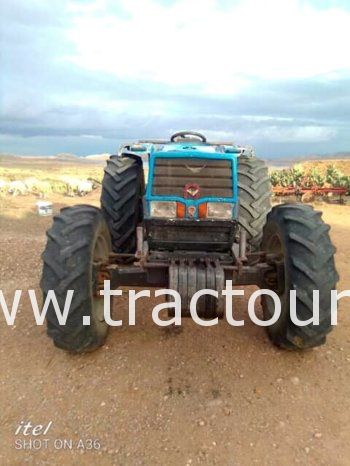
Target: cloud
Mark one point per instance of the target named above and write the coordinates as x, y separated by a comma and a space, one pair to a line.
218, 50
82, 76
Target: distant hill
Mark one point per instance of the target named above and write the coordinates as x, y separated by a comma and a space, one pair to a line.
60, 156
65, 156
282, 162
104, 156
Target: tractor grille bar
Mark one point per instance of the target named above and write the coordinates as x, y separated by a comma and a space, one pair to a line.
171, 175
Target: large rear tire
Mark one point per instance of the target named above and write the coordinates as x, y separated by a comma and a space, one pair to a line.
254, 193
121, 201
299, 235
76, 243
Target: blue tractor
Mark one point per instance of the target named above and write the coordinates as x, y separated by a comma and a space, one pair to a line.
203, 217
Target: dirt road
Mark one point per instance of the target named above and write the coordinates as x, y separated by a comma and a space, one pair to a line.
151, 396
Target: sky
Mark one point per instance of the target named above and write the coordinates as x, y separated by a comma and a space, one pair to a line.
84, 76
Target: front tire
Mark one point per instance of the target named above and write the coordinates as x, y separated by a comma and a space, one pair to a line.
298, 234
121, 201
76, 243
254, 193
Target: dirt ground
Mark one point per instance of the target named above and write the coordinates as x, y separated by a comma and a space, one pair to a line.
150, 396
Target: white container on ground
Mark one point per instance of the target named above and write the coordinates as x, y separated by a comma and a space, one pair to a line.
44, 208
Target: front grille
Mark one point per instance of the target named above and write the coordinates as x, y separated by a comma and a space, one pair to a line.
171, 175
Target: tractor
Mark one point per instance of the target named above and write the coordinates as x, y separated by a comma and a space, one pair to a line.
203, 217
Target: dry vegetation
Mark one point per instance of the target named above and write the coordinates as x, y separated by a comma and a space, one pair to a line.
42, 169
51, 174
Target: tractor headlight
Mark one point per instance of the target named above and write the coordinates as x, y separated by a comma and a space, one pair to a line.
219, 209
163, 209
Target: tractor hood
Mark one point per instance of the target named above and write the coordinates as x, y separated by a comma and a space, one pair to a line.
197, 149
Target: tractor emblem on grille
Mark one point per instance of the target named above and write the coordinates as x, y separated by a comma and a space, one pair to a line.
192, 190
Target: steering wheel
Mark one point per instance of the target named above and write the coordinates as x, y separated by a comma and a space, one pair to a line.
184, 134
